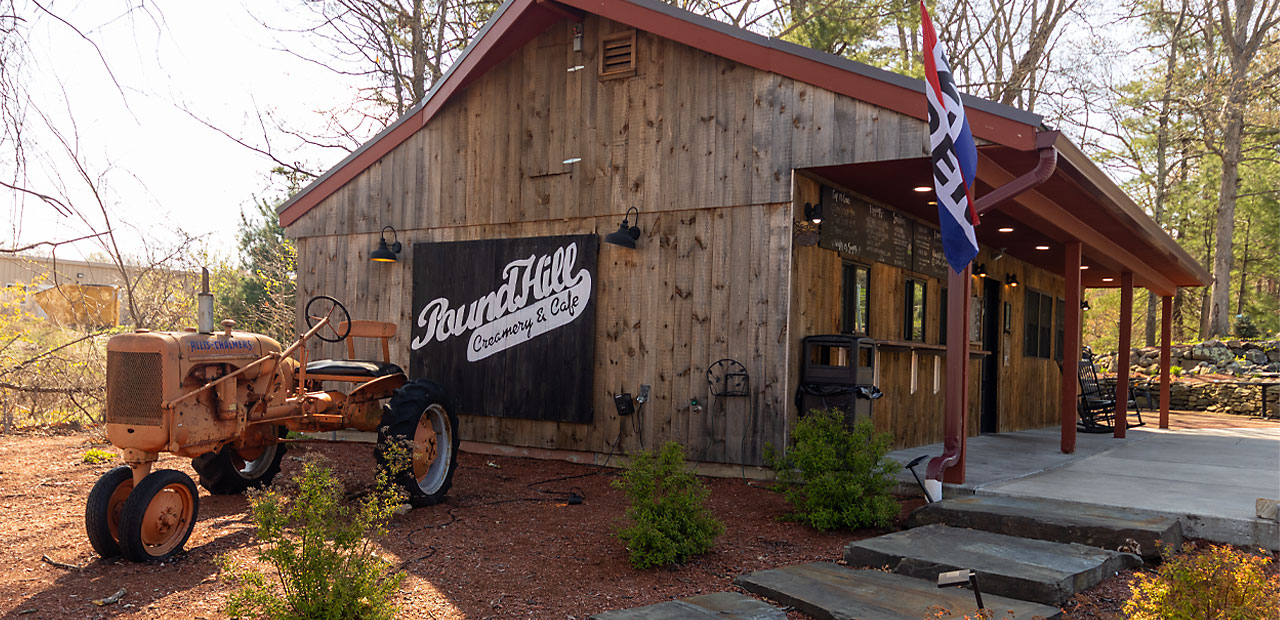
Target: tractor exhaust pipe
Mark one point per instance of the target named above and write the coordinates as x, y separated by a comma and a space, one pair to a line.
204, 305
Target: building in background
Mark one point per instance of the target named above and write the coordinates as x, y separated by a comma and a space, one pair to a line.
66, 291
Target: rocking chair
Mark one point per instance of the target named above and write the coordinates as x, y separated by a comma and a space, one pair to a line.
1097, 406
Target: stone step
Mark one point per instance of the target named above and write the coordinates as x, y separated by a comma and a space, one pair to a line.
830, 592
1021, 568
721, 605
1107, 527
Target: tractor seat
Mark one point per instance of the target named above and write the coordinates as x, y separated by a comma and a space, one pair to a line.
352, 368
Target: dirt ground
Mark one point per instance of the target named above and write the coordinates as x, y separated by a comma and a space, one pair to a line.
505, 544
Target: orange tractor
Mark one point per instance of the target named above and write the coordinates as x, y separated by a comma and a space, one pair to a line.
226, 399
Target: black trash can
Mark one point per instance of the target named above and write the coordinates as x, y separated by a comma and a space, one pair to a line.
837, 371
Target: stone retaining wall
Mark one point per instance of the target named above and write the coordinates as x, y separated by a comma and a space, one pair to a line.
1248, 363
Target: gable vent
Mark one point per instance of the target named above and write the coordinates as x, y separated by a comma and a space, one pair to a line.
618, 55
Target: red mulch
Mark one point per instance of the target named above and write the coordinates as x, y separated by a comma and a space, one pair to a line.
505, 545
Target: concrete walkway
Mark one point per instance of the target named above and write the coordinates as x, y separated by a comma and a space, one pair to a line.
1209, 479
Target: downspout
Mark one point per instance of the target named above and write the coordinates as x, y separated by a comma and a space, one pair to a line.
958, 360
1041, 173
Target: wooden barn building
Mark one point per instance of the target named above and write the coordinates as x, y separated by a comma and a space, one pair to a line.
718, 145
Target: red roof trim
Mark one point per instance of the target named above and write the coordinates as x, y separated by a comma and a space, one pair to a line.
659, 20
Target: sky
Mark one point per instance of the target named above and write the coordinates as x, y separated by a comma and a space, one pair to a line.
161, 169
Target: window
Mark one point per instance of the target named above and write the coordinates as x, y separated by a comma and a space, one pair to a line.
943, 310
1037, 324
913, 318
856, 304
1059, 329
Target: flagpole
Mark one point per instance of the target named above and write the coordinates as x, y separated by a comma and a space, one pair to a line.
955, 162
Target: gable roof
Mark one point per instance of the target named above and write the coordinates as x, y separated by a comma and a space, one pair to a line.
517, 22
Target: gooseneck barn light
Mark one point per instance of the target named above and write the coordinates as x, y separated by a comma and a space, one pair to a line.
626, 234
813, 212
1011, 280
386, 253
980, 270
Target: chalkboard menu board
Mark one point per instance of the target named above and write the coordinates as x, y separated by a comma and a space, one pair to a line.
844, 222
929, 256
858, 228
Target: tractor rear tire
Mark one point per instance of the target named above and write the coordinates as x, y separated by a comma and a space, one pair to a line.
225, 473
421, 418
158, 516
102, 510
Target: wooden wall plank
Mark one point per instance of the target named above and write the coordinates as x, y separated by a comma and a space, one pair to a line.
705, 149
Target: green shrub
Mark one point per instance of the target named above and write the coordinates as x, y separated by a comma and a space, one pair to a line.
1219, 582
93, 456
1175, 371
321, 551
836, 477
669, 521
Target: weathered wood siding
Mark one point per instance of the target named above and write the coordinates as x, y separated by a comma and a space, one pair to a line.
689, 130
912, 410
703, 147
700, 288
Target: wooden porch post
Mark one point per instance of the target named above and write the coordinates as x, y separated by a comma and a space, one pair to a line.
1166, 335
956, 402
1122, 354
1071, 345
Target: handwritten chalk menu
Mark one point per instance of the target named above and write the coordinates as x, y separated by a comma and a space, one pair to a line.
889, 237
844, 222
929, 256
858, 228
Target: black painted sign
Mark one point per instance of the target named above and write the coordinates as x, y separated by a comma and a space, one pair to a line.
858, 228
507, 325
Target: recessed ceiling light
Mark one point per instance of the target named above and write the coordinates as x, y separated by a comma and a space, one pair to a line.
1042, 247
1108, 279
1005, 229
1083, 267
922, 189
933, 203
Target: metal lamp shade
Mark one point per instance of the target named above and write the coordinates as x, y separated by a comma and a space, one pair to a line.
384, 254
625, 236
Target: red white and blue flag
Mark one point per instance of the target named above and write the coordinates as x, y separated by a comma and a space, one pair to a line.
955, 157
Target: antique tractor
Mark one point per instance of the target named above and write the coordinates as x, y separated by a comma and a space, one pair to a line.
226, 399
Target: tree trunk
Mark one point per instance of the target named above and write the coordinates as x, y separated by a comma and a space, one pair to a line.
418, 48
1179, 331
1162, 159
1244, 266
1224, 228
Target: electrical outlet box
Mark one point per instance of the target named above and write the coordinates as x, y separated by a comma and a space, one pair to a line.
644, 395
623, 403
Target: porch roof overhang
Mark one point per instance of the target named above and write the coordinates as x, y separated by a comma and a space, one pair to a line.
1077, 202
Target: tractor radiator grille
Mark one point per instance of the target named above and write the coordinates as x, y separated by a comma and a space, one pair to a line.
134, 388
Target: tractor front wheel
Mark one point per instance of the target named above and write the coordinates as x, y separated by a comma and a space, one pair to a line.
102, 511
229, 471
420, 419
158, 516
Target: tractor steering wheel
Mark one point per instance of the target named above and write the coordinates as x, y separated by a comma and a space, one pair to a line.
325, 308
